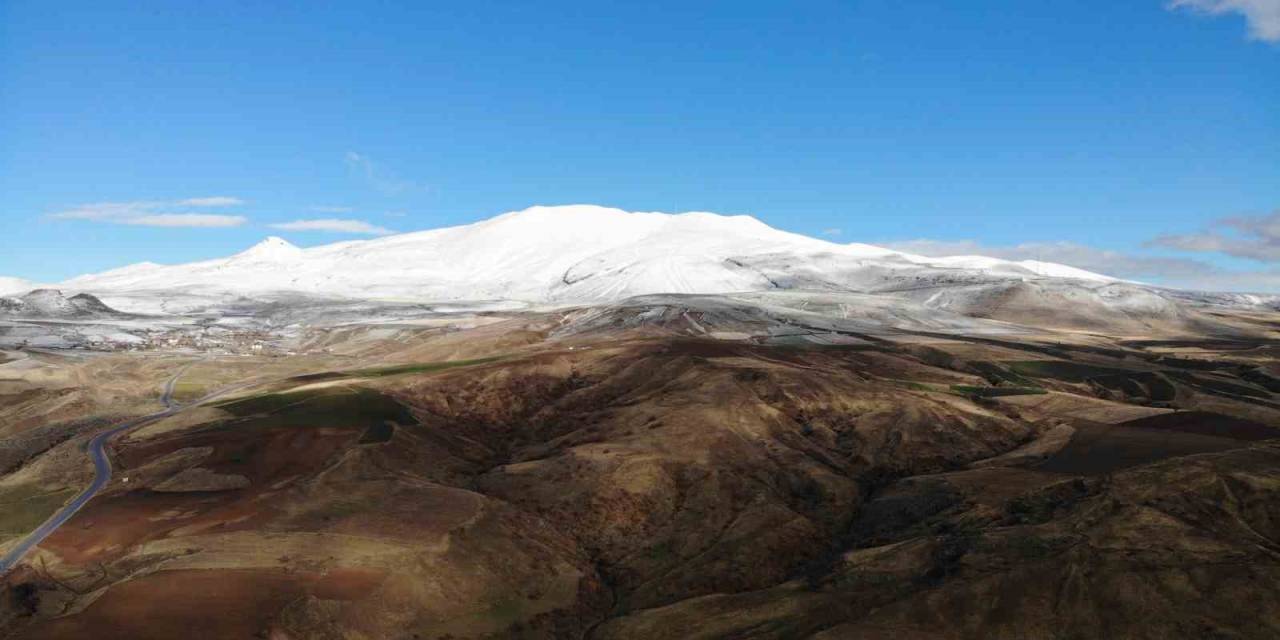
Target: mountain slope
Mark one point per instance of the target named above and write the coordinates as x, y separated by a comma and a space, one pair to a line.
577, 253
50, 303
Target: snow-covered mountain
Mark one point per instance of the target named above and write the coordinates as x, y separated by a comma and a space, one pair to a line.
578, 253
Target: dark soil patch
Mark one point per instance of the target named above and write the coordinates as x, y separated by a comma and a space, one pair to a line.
1146, 385
1040, 506
333, 407
25, 598
1207, 423
1195, 363
319, 377
902, 510
189, 604
994, 392
1061, 370
377, 433
1208, 344
1262, 379
1097, 449
1218, 387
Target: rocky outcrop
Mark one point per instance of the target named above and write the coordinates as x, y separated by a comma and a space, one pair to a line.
51, 303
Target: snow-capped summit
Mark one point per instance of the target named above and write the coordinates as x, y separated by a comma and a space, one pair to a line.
273, 248
574, 253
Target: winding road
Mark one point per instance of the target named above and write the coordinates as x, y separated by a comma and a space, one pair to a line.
97, 450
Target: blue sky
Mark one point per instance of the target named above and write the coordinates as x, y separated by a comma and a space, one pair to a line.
1138, 138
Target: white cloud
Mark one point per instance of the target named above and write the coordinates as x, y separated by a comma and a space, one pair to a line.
105, 211
1263, 16
1262, 280
1252, 237
155, 214
1252, 281
334, 225
212, 201
186, 220
379, 178
1187, 273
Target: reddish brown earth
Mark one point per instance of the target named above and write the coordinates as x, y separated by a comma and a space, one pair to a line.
643, 485
231, 603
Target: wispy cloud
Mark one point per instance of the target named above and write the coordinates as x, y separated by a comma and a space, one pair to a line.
156, 213
1189, 273
334, 225
832, 231
327, 209
1112, 263
1262, 16
376, 176
1251, 281
1252, 237
211, 201
186, 220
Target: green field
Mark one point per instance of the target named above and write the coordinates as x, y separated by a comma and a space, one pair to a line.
994, 392
425, 367
393, 370
332, 407
187, 391
995, 374
23, 508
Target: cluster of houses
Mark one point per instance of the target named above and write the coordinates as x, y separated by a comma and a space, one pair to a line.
204, 340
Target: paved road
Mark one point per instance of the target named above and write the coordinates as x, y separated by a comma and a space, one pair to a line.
102, 473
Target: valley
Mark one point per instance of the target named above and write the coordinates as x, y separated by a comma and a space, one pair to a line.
762, 465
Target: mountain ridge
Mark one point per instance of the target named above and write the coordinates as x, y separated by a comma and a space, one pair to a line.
565, 254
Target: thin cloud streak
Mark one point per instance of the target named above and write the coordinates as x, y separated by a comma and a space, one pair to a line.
1186, 273
376, 176
1255, 237
155, 213
186, 220
1112, 263
334, 225
213, 201
1251, 237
